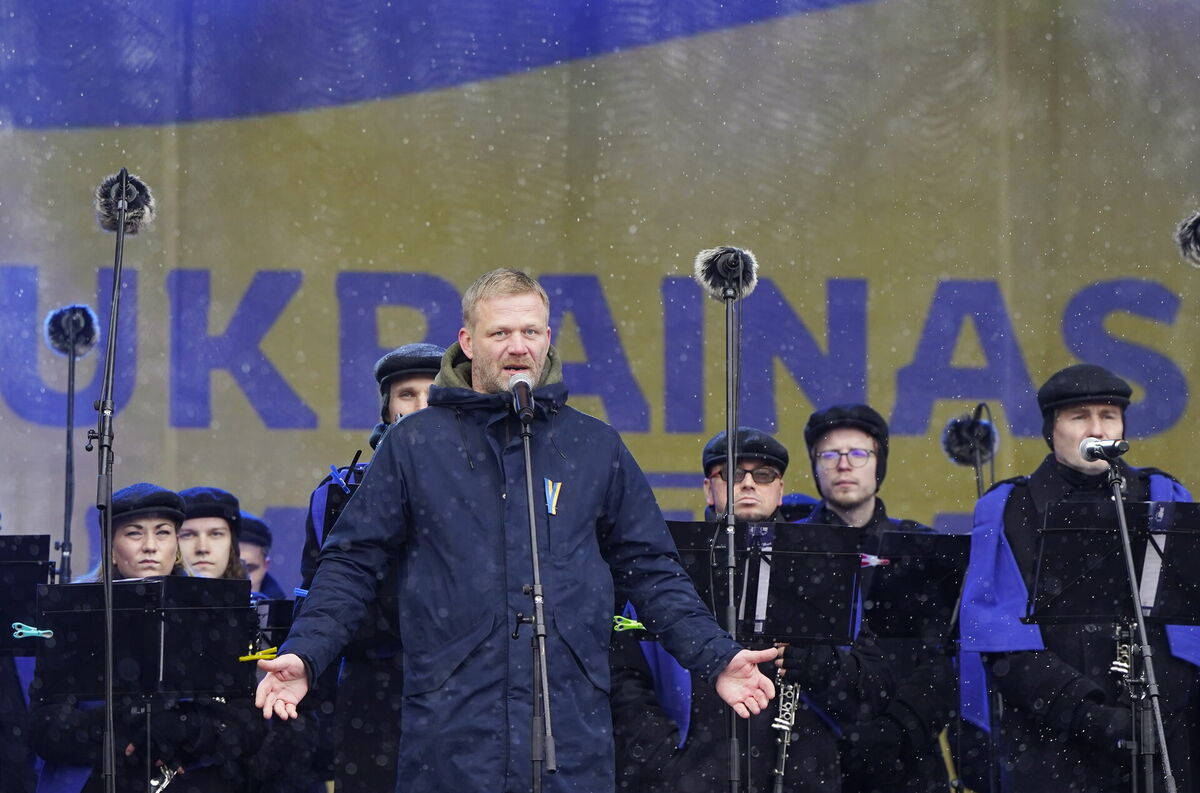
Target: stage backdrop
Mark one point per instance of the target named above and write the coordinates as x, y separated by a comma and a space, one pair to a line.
949, 200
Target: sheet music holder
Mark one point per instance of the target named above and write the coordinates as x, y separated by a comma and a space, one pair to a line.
274, 620
174, 637
1080, 573
811, 590
24, 563
914, 588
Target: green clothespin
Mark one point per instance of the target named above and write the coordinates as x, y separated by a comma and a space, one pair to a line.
23, 631
625, 624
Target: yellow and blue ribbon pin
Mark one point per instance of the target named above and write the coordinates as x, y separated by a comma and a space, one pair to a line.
552, 491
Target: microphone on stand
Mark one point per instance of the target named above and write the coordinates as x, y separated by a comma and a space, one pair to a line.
70, 331
521, 386
71, 327
971, 440
1096, 449
140, 208
123, 205
1187, 235
726, 272
966, 434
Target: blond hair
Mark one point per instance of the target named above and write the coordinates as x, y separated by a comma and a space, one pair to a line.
502, 282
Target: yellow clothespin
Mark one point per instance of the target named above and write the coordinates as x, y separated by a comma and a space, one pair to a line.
625, 624
262, 655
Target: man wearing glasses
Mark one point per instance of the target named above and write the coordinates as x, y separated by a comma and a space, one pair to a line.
670, 731
892, 748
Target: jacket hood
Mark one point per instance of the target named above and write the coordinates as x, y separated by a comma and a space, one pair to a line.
452, 385
456, 369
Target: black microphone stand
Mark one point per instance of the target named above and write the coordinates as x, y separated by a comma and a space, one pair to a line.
541, 748
64, 565
731, 297
1148, 727
103, 434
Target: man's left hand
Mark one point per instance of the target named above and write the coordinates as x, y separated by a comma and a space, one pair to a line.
742, 686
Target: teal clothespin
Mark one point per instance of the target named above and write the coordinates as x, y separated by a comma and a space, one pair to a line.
23, 631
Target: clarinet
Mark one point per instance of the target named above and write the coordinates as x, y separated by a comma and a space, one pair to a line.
785, 719
161, 779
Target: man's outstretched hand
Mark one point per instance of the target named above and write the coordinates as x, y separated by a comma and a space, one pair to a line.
284, 686
740, 684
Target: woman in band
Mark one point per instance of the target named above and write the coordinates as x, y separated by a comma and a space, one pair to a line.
195, 746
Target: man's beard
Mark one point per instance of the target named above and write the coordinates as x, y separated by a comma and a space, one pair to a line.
850, 503
489, 381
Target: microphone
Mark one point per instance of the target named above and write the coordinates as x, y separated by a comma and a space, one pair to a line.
726, 268
69, 326
1096, 449
1188, 237
968, 432
521, 386
139, 204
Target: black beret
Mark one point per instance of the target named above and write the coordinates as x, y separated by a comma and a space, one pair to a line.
752, 444
420, 358
410, 359
211, 502
145, 499
1080, 384
254, 531
857, 416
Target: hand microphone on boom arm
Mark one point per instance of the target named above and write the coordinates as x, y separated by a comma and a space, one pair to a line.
1096, 449
521, 386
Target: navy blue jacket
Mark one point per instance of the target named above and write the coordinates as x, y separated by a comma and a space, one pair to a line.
446, 490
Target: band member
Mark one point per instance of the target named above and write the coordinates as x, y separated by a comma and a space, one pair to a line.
896, 749
1065, 714
204, 742
446, 490
254, 551
671, 732
208, 536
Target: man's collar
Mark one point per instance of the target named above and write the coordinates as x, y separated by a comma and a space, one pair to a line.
1052, 482
824, 514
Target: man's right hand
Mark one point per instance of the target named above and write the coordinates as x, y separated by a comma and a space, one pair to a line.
284, 686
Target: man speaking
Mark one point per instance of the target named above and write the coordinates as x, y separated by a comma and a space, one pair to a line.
446, 490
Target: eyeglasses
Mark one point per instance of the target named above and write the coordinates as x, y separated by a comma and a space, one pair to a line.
831, 458
761, 476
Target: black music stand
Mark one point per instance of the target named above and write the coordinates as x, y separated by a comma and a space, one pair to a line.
24, 564
811, 593
1079, 544
1082, 543
913, 584
274, 620
175, 637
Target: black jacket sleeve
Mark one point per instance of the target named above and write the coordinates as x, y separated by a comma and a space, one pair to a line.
1045, 688
645, 736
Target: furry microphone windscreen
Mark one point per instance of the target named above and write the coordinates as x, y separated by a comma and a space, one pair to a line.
966, 433
139, 209
726, 267
61, 322
1188, 237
